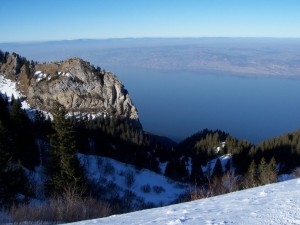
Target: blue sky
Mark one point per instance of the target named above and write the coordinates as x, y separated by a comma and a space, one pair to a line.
39, 20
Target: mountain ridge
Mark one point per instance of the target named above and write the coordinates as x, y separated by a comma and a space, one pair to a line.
74, 83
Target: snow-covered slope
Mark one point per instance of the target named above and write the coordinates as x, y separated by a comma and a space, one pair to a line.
146, 186
8, 88
271, 204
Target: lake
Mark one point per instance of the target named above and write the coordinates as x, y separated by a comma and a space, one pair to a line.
179, 103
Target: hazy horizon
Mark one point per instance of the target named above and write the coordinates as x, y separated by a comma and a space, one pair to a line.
33, 20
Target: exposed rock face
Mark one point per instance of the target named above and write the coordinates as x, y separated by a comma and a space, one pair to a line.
74, 83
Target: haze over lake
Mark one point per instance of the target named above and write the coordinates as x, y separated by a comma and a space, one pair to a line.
245, 86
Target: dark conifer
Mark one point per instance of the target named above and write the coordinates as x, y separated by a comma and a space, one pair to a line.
25, 148
64, 167
12, 177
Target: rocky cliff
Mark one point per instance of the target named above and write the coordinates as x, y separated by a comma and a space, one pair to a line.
74, 83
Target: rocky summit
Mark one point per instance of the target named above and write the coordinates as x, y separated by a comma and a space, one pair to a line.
74, 83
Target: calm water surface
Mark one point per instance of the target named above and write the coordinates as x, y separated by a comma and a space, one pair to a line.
179, 103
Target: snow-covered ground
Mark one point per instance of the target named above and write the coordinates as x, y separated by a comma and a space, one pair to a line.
271, 204
147, 186
8, 88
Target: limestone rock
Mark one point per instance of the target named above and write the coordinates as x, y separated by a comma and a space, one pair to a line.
74, 83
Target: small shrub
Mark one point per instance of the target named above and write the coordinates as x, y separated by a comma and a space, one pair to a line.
158, 189
129, 178
128, 199
146, 188
122, 173
99, 163
109, 169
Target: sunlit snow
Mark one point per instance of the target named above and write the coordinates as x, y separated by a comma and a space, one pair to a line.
271, 204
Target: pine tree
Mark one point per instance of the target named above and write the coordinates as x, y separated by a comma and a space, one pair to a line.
25, 148
4, 113
272, 171
252, 175
197, 172
263, 172
12, 177
64, 167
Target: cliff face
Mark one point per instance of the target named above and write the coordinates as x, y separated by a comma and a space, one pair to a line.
74, 83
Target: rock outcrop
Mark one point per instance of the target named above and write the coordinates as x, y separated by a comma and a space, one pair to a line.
74, 83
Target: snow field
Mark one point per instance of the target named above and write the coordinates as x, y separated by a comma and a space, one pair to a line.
153, 188
270, 204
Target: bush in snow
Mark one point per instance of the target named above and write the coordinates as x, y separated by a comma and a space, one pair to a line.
146, 188
158, 189
109, 169
129, 178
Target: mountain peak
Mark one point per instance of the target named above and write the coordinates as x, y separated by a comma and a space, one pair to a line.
74, 83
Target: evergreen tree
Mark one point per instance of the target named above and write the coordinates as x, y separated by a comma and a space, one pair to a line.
64, 167
176, 170
25, 148
252, 175
4, 113
12, 177
263, 172
272, 170
197, 172
42, 126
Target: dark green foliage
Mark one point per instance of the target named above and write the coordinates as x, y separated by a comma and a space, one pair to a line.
253, 174
196, 173
42, 125
119, 139
264, 173
285, 149
3, 56
63, 166
4, 113
176, 170
23, 135
12, 178
267, 173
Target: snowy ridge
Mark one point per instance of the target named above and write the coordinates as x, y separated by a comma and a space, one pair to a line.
271, 204
8, 88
